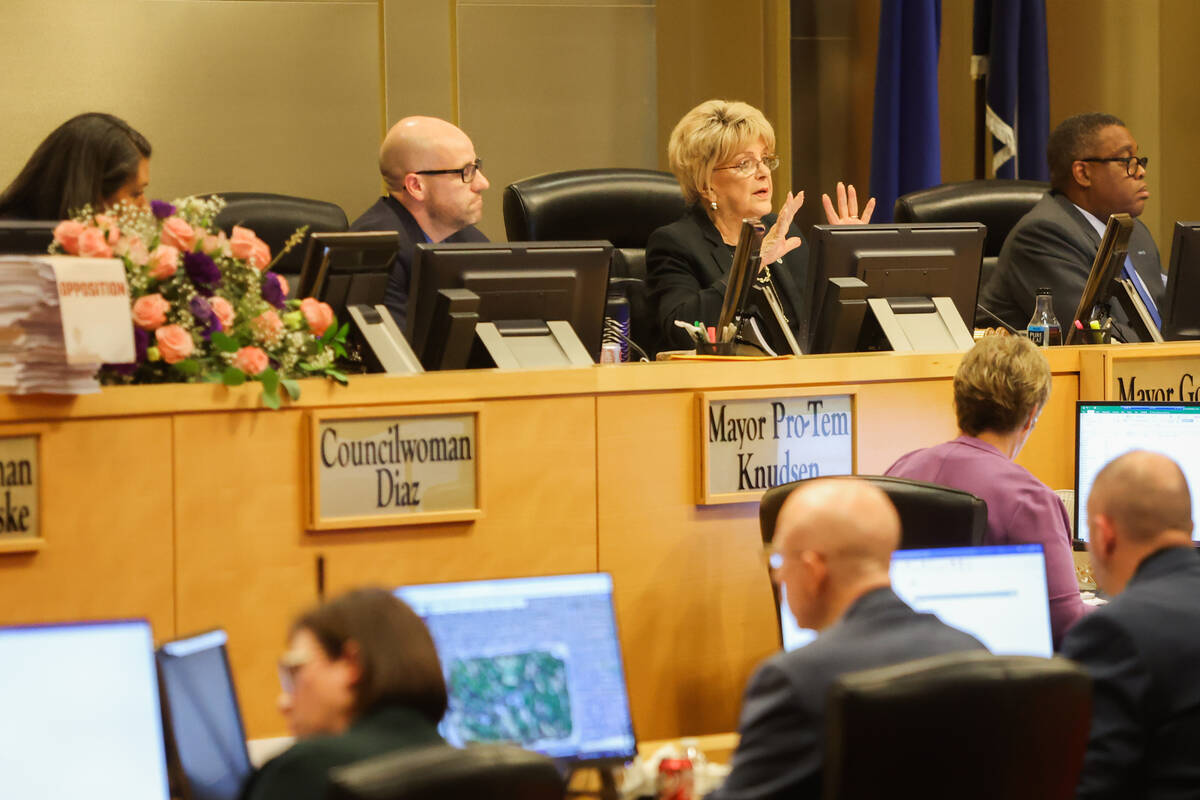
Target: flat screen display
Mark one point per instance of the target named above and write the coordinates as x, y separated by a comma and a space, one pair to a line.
1104, 431
203, 717
532, 661
996, 594
79, 712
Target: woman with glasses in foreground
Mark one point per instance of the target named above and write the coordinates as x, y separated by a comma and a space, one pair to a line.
360, 678
723, 154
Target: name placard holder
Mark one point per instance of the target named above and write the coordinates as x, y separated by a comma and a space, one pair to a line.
397, 465
1163, 373
21, 489
750, 441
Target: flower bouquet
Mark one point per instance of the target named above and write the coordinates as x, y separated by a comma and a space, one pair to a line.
206, 307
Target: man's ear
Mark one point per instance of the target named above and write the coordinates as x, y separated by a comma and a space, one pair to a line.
1079, 170
1101, 531
817, 569
415, 186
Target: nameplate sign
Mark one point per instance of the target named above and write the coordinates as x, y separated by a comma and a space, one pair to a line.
1162, 379
20, 482
393, 469
751, 442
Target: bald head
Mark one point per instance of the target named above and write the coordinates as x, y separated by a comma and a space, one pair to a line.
1144, 495
417, 143
849, 521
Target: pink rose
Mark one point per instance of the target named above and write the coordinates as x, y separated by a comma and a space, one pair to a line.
109, 226
174, 343
93, 244
248, 247
66, 233
267, 326
150, 311
164, 262
224, 312
134, 249
216, 244
250, 360
283, 285
318, 315
178, 234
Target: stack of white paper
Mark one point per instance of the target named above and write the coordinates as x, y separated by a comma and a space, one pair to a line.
33, 353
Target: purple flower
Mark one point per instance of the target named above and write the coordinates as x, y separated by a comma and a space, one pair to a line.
141, 341
161, 209
272, 290
206, 318
202, 270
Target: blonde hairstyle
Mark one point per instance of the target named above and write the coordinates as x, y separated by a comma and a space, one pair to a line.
710, 133
1001, 380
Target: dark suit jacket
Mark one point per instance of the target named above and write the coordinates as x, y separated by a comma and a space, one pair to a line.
389, 215
687, 265
782, 729
1143, 653
1053, 246
302, 771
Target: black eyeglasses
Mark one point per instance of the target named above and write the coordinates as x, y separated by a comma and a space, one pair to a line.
1131, 162
467, 172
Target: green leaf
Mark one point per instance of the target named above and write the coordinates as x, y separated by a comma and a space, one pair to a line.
307, 367
270, 380
339, 350
188, 367
224, 342
291, 387
337, 376
232, 376
330, 332
341, 334
270, 398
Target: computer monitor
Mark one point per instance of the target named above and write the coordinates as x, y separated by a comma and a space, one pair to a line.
532, 661
1105, 430
79, 712
1181, 312
997, 594
26, 237
529, 292
897, 261
206, 740
346, 269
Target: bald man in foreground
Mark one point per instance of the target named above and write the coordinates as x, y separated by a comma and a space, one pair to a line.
1143, 648
832, 551
435, 183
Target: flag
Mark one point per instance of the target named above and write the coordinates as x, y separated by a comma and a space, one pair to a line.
906, 152
1011, 34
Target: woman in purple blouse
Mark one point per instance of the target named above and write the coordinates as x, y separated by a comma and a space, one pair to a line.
1000, 389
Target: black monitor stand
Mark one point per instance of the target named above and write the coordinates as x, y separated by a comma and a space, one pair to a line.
851, 321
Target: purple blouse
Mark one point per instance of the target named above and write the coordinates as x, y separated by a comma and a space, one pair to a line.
1021, 510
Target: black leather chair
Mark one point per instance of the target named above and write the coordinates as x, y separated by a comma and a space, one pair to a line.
26, 237
930, 515
622, 206
997, 203
481, 772
275, 217
956, 726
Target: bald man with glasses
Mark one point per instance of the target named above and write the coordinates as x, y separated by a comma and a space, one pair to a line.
435, 185
1095, 171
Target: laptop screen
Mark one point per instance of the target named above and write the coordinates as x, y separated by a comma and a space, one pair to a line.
80, 712
203, 717
533, 661
996, 594
1104, 431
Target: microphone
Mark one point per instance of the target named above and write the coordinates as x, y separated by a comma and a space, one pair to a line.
1010, 328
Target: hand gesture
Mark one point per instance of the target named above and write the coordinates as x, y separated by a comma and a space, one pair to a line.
847, 210
776, 243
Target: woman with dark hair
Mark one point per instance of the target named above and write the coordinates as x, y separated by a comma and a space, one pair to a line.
361, 677
92, 159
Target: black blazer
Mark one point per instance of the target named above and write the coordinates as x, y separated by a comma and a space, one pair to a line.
687, 266
781, 751
389, 215
1053, 246
1143, 653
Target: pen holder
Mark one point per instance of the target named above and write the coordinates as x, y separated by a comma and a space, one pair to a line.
1097, 336
715, 349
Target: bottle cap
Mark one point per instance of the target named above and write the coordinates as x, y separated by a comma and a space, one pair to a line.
1045, 291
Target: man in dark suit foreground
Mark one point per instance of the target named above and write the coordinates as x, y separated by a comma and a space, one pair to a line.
832, 551
1143, 648
435, 184
1095, 171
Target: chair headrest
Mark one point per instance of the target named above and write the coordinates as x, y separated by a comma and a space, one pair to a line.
997, 203
623, 206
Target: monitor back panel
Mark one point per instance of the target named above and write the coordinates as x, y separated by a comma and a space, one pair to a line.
532, 661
